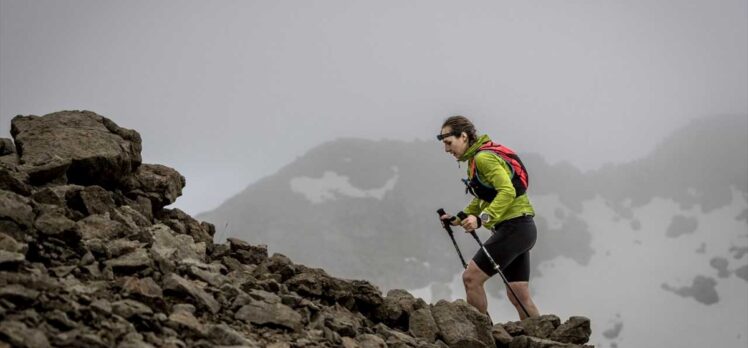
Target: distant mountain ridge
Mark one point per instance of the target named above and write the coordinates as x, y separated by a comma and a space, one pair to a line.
366, 209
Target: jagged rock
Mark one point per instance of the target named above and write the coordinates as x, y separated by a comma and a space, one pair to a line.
132, 262
206, 274
18, 294
348, 342
119, 247
53, 223
514, 328
394, 337
129, 308
145, 288
263, 313
128, 215
97, 200
87, 148
542, 326
180, 285
31, 277
340, 320
282, 265
7, 257
534, 342
102, 306
60, 319
12, 179
46, 169
501, 337
371, 341
175, 246
6, 147
16, 209
19, 335
422, 325
462, 325
8, 243
160, 184
63, 196
100, 227
185, 320
222, 334
575, 330
183, 307
247, 253
134, 344
397, 307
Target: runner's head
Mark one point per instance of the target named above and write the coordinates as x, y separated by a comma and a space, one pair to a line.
457, 134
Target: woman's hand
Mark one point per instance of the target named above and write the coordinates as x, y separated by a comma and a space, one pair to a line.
470, 223
449, 219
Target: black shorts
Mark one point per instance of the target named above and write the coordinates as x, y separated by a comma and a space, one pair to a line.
509, 247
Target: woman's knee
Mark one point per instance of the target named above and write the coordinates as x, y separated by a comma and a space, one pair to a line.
473, 276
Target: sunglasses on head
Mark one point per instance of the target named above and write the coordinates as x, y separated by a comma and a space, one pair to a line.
441, 137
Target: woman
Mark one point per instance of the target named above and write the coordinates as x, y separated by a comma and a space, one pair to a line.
501, 206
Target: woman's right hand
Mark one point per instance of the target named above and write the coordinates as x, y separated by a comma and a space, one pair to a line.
449, 219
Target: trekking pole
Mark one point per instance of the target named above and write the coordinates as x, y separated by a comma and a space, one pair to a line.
496, 267
451, 235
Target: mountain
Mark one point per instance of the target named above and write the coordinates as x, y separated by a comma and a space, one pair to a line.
676, 218
90, 257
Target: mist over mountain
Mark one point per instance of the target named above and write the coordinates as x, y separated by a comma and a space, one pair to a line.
364, 208
664, 236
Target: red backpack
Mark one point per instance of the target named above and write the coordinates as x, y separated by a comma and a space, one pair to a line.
520, 179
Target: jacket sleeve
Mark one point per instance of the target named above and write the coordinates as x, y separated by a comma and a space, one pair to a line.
493, 171
473, 208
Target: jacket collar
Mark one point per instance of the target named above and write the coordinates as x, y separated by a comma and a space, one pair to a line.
472, 150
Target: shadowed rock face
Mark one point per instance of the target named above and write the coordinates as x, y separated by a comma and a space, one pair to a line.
80, 147
90, 258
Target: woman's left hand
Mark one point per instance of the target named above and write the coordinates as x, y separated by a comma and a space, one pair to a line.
470, 223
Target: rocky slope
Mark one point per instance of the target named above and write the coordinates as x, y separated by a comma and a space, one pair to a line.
89, 257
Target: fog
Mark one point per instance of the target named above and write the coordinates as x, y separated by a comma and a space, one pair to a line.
228, 92
232, 92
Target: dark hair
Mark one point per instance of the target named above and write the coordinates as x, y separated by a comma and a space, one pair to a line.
460, 124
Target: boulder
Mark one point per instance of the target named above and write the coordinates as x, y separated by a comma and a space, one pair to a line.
179, 285
78, 147
7, 147
541, 326
182, 223
575, 330
20, 335
12, 179
423, 325
276, 314
160, 184
461, 325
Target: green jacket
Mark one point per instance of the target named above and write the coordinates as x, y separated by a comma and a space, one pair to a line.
493, 170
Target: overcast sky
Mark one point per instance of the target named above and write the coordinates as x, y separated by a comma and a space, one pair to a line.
227, 92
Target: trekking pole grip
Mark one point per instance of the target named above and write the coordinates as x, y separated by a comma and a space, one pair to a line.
446, 223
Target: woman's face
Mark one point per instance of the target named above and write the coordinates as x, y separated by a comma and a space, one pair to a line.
454, 144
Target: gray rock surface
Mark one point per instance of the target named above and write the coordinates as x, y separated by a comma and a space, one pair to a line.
90, 258
575, 330
462, 325
76, 146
